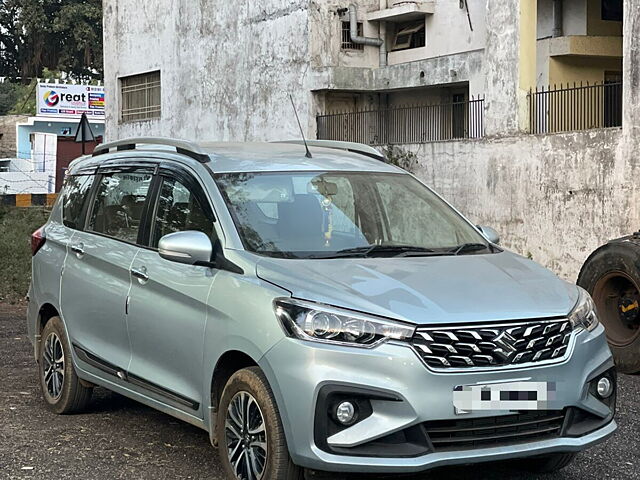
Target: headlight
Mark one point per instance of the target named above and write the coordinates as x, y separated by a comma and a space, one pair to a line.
320, 323
584, 314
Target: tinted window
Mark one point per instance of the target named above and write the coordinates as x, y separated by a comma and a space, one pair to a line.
178, 210
119, 203
76, 191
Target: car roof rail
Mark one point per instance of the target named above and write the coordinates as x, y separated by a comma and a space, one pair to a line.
183, 147
360, 148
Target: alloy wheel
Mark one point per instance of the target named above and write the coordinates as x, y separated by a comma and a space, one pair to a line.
53, 363
246, 437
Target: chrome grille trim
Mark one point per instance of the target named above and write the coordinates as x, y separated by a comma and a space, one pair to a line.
494, 345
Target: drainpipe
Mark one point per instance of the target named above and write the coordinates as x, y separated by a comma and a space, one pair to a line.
370, 41
557, 19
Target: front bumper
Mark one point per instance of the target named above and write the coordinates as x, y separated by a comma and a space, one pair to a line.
300, 371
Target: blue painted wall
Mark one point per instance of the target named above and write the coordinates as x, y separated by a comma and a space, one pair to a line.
44, 126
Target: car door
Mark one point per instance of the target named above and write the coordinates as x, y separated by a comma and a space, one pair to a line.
167, 305
96, 278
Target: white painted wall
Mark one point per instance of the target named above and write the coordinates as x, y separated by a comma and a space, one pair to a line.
447, 32
553, 197
448, 29
227, 67
574, 20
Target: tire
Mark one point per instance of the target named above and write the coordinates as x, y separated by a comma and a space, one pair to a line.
267, 445
549, 463
61, 389
612, 276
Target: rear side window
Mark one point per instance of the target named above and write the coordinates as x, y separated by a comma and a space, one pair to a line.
119, 204
75, 193
178, 210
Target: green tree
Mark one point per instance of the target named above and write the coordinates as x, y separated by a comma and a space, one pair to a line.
79, 27
8, 97
63, 35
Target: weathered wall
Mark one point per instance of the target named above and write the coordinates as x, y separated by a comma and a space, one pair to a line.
8, 134
447, 32
227, 67
553, 197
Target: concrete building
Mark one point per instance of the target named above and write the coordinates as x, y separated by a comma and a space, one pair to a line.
443, 85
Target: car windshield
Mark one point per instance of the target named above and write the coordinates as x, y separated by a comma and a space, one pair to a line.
343, 214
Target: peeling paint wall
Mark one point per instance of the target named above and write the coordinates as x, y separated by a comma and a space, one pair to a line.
553, 197
8, 134
227, 67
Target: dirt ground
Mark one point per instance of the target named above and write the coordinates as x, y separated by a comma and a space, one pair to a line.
121, 439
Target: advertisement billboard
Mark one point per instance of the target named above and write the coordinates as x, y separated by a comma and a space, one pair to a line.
62, 100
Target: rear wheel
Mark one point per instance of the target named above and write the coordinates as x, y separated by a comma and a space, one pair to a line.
61, 387
612, 276
252, 445
549, 463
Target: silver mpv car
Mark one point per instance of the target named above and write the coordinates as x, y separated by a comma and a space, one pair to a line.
321, 310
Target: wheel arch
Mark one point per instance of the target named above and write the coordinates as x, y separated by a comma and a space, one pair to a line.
228, 364
46, 312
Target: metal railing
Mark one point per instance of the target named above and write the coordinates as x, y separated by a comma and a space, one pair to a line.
402, 125
577, 107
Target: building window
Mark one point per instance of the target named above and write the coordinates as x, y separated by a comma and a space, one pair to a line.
612, 10
140, 97
347, 44
409, 35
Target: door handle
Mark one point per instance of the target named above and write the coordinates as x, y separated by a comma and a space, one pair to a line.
78, 249
140, 273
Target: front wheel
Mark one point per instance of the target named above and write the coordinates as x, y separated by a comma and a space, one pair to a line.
252, 442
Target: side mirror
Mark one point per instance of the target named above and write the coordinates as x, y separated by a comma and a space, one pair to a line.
490, 234
189, 247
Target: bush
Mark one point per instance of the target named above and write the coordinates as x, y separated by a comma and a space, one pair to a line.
16, 227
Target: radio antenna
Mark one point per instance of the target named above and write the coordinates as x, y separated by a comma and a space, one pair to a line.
308, 154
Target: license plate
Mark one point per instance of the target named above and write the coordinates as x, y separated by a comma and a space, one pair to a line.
513, 396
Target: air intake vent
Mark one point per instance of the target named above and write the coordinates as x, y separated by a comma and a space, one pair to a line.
451, 435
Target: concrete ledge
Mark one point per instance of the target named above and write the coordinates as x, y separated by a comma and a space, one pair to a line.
586, 46
403, 13
23, 200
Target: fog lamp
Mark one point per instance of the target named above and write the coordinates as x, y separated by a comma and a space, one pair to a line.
604, 387
346, 413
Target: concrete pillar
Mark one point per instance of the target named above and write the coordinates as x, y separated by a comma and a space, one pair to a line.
509, 65
631, 68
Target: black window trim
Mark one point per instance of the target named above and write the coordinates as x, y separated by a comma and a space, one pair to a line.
111, 169
158, 167
87, 201
187, 179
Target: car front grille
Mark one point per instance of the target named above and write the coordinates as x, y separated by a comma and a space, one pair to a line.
487, 432
493, 345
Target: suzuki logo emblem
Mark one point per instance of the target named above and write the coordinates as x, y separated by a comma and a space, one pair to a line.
505, 342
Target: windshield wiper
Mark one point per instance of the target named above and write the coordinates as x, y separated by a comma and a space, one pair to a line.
370, 250
469, 247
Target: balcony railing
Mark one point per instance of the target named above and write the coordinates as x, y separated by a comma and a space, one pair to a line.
402, 125
577, 107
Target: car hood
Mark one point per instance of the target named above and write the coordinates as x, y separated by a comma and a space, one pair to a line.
428, 290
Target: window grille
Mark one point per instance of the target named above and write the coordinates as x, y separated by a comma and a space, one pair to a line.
140, 97
347, 44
